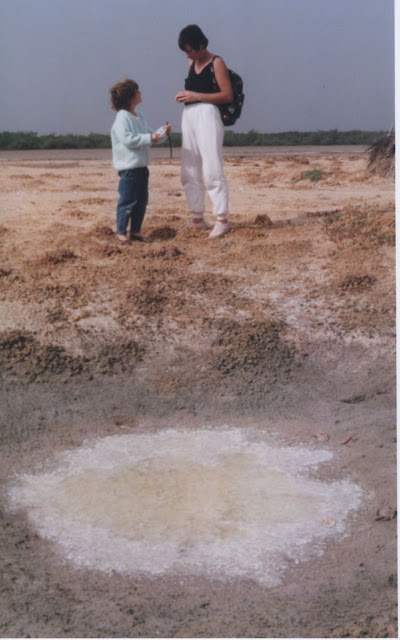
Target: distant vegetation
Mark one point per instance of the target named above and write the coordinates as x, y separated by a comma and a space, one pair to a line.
315, 175
31, 140
333, 136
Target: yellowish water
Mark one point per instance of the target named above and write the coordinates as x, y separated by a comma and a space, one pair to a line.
216, 502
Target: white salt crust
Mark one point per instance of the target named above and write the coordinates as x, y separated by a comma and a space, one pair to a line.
222, 503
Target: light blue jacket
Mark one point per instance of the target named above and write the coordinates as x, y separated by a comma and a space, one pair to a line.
131, 140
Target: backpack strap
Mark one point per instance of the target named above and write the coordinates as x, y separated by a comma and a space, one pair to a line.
215, 83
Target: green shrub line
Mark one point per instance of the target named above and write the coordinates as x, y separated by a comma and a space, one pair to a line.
14, 140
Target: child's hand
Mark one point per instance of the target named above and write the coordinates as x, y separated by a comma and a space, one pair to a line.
155, 137
167, 129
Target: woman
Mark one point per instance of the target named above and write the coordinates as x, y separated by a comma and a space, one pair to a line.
206, 86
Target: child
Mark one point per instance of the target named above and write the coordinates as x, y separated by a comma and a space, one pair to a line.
131, 138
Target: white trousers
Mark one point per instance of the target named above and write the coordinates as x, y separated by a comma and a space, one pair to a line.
202, 160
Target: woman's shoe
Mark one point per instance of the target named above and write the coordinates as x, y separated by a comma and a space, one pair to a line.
197, 223
219, 230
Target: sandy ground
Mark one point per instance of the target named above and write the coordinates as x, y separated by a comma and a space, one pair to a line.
287, 324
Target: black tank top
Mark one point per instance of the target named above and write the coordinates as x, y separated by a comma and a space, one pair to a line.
203, 82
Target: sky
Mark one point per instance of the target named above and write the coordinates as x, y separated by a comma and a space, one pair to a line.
307, 65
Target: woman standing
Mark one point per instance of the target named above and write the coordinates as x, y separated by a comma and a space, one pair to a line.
206, 86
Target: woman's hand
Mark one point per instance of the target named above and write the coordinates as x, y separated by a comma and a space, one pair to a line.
155, 137
187, 96
223, 96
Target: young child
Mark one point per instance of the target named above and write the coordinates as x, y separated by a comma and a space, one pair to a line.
131, 139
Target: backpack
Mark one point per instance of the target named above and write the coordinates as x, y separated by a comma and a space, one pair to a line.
231, 112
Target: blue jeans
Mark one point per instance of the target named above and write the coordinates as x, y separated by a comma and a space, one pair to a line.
133, 192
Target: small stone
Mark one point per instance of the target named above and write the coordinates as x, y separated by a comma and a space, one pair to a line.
329, 522
385, 512
321, 435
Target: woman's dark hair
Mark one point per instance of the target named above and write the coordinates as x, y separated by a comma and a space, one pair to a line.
123, 93
193, 36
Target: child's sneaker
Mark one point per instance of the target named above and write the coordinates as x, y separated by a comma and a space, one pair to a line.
220, 229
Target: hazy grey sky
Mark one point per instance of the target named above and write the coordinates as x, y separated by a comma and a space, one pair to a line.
306, 64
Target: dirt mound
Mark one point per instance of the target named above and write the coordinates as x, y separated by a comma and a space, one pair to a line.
57, 257
102, 231
163, 233
263, 220
255, 351
24, 357
362, 225
166, 253
356, 283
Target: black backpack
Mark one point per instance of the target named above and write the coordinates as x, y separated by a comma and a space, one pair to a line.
231, 112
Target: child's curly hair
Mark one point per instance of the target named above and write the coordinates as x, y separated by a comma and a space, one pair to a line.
122, 94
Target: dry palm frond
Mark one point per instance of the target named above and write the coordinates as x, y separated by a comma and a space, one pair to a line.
382, 155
